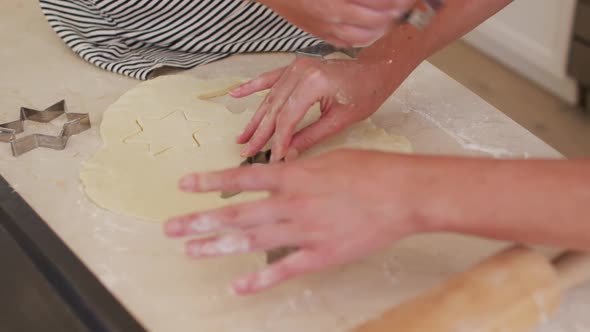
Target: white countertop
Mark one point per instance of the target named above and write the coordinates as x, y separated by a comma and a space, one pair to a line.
149, 273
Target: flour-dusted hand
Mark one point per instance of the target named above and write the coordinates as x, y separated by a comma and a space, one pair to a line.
335, 208
341, 206
347, 91
344, 23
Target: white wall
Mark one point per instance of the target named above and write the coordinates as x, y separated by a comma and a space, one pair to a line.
532, 37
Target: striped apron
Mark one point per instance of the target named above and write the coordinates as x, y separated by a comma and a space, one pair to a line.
135, 37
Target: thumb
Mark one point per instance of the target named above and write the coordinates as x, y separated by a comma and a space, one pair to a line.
325, 127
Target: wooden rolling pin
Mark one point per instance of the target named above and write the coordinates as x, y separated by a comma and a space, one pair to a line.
512, 291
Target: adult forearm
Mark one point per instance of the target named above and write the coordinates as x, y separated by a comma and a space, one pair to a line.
405, 47
543, 202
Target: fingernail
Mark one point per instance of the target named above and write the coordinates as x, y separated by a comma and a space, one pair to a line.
264, 279
275, 155
199, 182
204, 224
241, 285
244, 151
235, 91
173, 227
231, 290
189, 183
194, 250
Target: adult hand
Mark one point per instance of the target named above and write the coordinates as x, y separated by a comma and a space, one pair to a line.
335, 208
348, 91
344, 23
343, 205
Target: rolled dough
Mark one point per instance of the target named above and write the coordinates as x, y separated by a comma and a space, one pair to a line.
164, 129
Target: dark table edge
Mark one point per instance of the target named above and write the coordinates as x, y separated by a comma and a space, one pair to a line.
95, 306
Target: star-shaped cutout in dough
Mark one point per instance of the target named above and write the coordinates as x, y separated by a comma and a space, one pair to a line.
174, 130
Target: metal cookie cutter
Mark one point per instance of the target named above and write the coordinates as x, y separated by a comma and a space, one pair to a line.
421, 15
76, 123
324, 49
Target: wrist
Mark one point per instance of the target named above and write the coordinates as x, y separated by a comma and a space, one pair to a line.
408, 197
433, 196
402, 46
395, 56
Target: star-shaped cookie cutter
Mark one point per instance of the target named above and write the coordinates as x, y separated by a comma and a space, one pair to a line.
76, 123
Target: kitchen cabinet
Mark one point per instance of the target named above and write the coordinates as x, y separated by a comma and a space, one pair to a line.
533, 38
579, 63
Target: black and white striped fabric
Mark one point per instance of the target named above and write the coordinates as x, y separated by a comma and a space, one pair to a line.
134, 37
